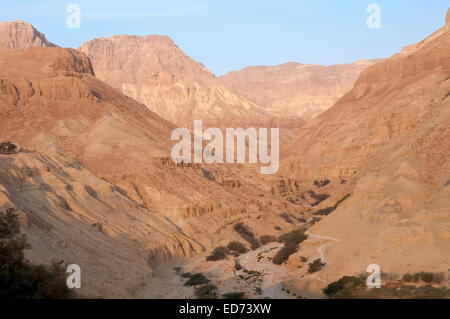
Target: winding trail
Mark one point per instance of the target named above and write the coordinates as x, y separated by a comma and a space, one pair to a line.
321, 250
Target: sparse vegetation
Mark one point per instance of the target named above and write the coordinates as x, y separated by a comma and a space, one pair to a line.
7, 147
234, 295
206, 292
267, 239
323, 183
287, 218
277, 228
329, 210
316, 266
219, 253
237, 247
291, 243
247, 235
208, 175
197, 280
318, 197
20, 279
351, 287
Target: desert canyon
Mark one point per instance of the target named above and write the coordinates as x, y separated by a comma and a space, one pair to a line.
365, 165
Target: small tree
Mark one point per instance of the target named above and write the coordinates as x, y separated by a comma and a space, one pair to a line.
18, 278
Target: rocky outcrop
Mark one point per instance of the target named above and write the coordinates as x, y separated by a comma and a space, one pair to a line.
156, 72
20, 35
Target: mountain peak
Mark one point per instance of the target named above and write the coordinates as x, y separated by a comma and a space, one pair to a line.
447, 18
20, 35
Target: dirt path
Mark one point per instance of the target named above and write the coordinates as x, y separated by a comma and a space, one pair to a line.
321, 251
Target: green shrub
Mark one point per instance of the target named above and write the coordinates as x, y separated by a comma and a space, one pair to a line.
237, 247
293, 237
291, 242
426, 277
234, 295
206, 292
247, 235
197, 279
316, 266
186, 275
347, 282
219, 253
408, 278
284, 253
267, 239
20, 279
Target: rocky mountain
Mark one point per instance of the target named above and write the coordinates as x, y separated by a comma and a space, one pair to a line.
155, 71
20, 35
293, 89
95, 184
386, 143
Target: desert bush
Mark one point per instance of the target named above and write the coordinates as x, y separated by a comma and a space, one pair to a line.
329, 210
293, 237
197, 279
426, 277
234, 295
318, 197
267, 239
284, 253
323, 183
408, 278
237, 247
247, 235
291, 242
316, 266
286, 218
438, 277
219, 253
206, 292
186, 275
7, 147
237, 265
20, 279
277, 228
208, 175
347, 282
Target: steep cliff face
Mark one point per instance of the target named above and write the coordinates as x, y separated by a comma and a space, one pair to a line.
388, 142
20, 35
154, 71
294, 89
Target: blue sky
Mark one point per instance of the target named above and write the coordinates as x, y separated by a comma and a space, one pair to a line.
231, 34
